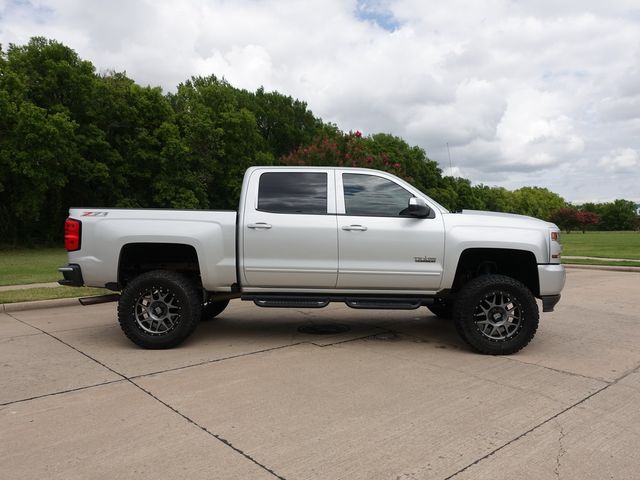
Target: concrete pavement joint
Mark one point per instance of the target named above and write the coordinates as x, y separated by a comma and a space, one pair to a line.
450, 368
216, 360
527, 432
70, 346
485, 379
204, 429
557, 370
544, 422
71, 390
124, 377
340, 342
246, 354
506, 357
21, 336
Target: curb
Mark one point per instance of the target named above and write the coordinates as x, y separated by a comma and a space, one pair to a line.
602, 267
69, 302
37, 304
9, 288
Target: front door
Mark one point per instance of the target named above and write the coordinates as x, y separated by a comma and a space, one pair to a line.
380, 246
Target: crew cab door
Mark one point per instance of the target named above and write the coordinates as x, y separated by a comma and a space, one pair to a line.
289, 231
380, 246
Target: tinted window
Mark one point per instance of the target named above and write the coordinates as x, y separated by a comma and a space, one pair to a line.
293, 192
371, 195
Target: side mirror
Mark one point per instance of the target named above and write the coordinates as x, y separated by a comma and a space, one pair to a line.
418, 208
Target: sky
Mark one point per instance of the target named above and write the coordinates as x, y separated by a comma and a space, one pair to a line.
509, 93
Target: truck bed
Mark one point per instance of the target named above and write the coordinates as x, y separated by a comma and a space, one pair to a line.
212, 234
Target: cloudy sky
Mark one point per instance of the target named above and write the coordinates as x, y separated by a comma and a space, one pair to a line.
540, 92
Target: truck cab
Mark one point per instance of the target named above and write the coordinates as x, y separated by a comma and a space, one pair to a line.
338, 230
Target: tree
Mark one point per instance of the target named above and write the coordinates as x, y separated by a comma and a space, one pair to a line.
496, 199
618, 215
586, 219
222, 137
34, 158
537, 202
567, 218
283, 122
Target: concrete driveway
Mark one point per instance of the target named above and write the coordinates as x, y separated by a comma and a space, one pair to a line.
396, 397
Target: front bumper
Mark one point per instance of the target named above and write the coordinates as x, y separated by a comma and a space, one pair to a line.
552, 278
72, 275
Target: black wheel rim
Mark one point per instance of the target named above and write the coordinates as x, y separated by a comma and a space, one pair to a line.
157, 311
498, 316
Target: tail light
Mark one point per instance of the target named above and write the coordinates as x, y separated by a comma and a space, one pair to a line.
555, 248
72, 232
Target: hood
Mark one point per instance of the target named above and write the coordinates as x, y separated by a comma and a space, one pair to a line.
498, 219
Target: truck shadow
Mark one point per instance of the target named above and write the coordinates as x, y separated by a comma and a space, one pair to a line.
286, 328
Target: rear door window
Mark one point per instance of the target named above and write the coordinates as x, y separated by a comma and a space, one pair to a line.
293, 192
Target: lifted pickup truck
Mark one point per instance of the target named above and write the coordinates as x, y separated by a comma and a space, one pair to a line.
307, 236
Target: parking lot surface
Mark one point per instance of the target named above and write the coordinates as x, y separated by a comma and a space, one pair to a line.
398, 396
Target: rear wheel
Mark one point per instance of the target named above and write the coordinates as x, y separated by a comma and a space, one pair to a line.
496, 315
159, 309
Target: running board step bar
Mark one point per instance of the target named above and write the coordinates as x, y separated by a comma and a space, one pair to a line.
110, 297
319, 301
290, 302
382, 303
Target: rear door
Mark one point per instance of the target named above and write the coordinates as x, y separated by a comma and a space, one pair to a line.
380, 246
289, 230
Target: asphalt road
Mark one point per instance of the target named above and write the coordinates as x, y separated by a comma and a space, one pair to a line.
396, 397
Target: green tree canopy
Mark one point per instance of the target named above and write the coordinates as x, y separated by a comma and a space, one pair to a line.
72, 137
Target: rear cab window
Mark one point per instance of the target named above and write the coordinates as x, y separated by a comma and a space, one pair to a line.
303, 193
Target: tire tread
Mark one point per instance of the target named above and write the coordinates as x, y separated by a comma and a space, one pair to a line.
189, 319
465, 305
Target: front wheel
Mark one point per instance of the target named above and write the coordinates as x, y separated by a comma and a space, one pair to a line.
159, 309
496, 315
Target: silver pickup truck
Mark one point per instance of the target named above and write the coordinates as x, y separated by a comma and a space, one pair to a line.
303, 237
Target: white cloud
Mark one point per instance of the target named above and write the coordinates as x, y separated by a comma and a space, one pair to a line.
544, 93
534, 132
621, 160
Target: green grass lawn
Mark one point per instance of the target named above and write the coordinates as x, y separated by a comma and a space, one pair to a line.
35, 265
588, 261
13, 296
602, 244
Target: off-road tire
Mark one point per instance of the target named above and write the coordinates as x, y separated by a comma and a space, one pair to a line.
493, 306
210, 310
159, 309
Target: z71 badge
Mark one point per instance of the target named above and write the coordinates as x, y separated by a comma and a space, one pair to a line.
95, 214
425, 259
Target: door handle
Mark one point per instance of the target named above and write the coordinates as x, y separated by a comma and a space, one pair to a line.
259, 225
359, 228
